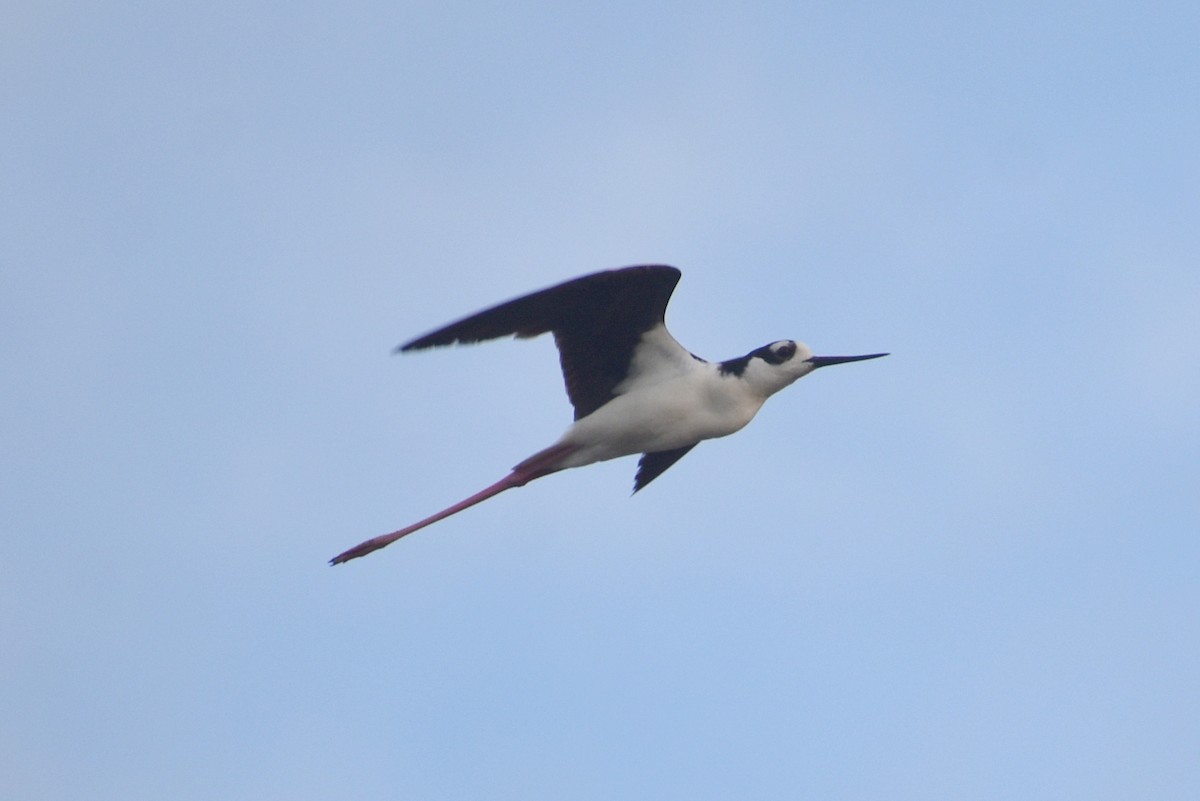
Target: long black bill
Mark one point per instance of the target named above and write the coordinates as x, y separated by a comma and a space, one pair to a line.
825, 361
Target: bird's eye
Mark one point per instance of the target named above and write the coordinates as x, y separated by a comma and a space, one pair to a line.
786, 351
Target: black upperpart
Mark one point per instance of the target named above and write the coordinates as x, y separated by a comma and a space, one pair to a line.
736, 367
597, 321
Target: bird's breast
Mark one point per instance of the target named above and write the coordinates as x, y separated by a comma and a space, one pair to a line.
663, 416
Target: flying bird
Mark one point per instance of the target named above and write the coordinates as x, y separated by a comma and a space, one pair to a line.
634, 388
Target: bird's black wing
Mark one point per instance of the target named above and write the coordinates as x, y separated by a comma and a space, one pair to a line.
597, 320
653, 465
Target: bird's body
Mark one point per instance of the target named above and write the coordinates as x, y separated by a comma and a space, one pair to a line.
674, 403
634, 388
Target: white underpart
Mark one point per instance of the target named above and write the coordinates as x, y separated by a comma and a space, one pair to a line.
670, 399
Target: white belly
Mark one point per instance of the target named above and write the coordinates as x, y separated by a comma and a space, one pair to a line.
667, 415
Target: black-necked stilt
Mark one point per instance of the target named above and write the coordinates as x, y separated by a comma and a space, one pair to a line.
634, 388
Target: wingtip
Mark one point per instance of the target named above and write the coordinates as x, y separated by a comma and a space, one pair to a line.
429, 341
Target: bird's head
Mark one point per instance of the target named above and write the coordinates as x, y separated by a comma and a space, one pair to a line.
772, 367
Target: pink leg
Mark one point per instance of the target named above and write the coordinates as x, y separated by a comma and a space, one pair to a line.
536, 466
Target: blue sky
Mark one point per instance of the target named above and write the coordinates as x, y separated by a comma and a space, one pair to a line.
969, 570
